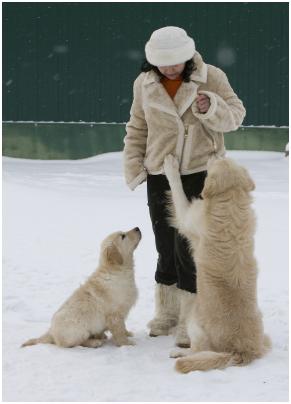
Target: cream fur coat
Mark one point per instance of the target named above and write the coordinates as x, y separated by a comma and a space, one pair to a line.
159, 126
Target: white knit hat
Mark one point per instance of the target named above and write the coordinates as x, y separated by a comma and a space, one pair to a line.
169, 46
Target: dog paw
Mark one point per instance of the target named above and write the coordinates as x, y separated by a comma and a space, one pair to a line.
178, 353
129, 334
127, 343
124, 343
171, 165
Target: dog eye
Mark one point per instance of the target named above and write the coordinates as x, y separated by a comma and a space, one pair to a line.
122, 236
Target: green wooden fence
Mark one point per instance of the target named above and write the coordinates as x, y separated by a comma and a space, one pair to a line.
80, 140
77, 61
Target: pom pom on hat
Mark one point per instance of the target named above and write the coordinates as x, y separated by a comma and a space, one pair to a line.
169, 46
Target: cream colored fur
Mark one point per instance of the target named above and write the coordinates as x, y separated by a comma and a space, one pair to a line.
159, 126
102, 303
167, 310
186, 298
224, 324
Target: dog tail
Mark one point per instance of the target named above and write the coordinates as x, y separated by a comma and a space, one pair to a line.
267, 343
206, 360
44, 339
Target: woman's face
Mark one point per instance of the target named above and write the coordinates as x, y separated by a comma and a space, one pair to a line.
172, 72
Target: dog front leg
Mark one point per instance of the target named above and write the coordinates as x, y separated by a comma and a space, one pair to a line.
116, 326
180, 201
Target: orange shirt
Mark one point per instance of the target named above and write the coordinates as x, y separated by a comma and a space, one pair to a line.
171, 85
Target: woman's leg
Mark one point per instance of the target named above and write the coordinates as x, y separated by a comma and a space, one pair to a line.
166, 299
157, 185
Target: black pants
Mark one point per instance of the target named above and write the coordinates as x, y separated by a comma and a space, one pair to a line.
175, 263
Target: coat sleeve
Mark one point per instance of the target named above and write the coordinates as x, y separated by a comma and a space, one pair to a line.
226, 112
135, 140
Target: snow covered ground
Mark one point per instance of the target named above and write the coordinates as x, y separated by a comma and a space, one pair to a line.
55, 214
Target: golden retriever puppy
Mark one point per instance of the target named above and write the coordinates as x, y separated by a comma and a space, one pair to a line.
102, 303
224, 322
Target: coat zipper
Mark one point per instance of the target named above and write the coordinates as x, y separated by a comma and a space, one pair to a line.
184, 141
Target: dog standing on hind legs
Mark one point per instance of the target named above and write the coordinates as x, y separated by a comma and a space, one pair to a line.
224, 323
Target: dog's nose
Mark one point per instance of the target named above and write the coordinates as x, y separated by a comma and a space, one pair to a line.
137, 229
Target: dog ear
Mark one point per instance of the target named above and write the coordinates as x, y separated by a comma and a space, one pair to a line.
247, 182
209, 188
113, 256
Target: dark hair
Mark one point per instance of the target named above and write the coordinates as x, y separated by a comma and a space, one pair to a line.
188, 69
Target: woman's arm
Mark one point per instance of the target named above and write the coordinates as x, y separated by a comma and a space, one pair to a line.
135, 140
226, 111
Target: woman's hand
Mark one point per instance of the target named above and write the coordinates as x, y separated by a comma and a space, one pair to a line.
203, 103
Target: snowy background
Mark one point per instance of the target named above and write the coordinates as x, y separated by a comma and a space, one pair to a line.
55, 214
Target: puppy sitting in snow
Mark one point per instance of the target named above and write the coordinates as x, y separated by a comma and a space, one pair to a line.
102, 303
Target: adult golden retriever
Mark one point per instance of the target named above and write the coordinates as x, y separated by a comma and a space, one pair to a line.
224, 323
102, 303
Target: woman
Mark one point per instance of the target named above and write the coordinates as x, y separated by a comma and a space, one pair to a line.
181, 106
